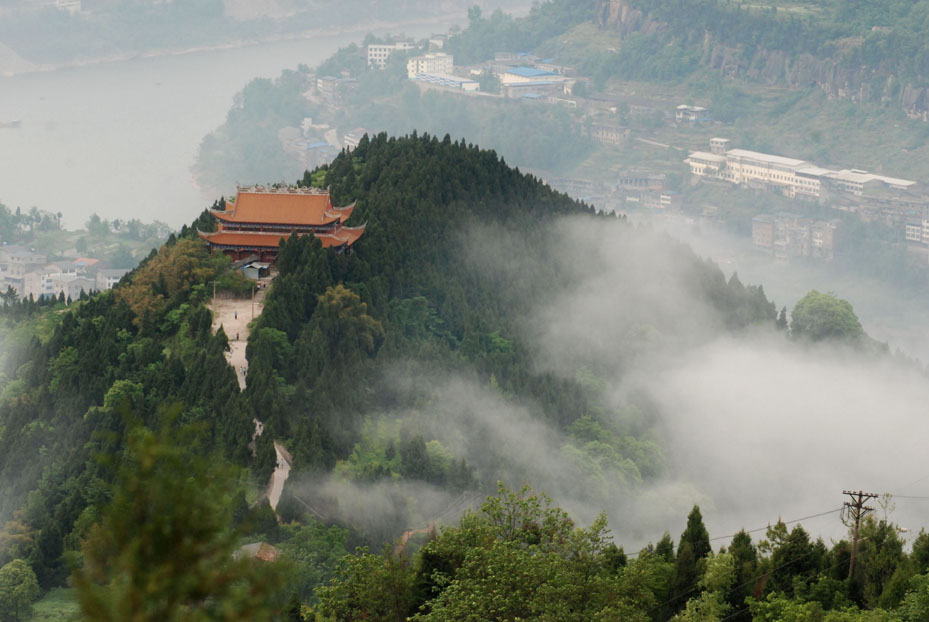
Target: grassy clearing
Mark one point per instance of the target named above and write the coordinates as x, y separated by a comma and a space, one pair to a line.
59, 605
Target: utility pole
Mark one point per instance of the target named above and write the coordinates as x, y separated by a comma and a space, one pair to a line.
854, 510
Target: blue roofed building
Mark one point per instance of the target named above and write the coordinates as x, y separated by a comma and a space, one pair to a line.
529, 74
518, 81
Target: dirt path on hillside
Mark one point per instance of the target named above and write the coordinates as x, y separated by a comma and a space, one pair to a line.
235, 315
280, 475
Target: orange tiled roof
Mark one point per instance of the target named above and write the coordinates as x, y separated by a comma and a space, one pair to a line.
283, 208
344, 212
236, 238
344, 235
267, 552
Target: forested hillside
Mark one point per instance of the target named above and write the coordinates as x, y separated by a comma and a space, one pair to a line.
861, 51
379, 370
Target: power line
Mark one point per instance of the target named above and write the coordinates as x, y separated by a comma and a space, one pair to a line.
768, 526
789, 522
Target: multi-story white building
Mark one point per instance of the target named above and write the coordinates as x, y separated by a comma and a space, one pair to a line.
108, 278
71, 285
351, 139
16, 261
379, 53
794, 177
438, 63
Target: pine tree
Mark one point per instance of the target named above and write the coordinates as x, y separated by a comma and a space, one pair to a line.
782, 319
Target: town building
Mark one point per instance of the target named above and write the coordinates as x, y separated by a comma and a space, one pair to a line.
351, 139
108, 278
255, 222
719, 146
438, 63
640, 180
16, 261
763, 232
609, 134
332, 88
823, 239
448, 81
788, 235
379, 53
522, 75
50, 282
792, 176
691, 114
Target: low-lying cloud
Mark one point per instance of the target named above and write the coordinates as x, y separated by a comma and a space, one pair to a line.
753, 427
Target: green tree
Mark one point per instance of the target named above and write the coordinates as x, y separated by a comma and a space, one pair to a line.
163, 549
18, 590
821, 317
693, 546
782, 319
369, 587
711, 605
96, 226
745, 558
915, 605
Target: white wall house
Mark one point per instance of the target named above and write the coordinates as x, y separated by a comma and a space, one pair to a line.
438, 63
379, 53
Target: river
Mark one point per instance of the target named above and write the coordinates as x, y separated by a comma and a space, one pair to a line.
120, 138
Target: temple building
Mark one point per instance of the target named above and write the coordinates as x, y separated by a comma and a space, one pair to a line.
255, 221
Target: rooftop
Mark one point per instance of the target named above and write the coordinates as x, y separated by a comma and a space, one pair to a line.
239, 239
764, 157
530, 72
707, 156
812, 169
114, 273
441, 78
286, 206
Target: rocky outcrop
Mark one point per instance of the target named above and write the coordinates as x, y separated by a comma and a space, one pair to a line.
618, 15
833, 75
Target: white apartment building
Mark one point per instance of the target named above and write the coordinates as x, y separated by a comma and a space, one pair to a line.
794, 177
379, 53
438, 63
108, 278
16, 261
51, 285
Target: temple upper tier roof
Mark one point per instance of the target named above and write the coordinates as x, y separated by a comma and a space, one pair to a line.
283, 206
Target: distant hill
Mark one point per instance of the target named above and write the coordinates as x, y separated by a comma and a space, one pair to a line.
856, 51
41, 34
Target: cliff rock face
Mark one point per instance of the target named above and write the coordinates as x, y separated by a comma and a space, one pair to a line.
831, 75
619, 16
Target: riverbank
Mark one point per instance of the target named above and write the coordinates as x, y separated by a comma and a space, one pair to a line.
12, 65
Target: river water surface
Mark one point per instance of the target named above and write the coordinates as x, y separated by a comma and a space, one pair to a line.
120, 138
